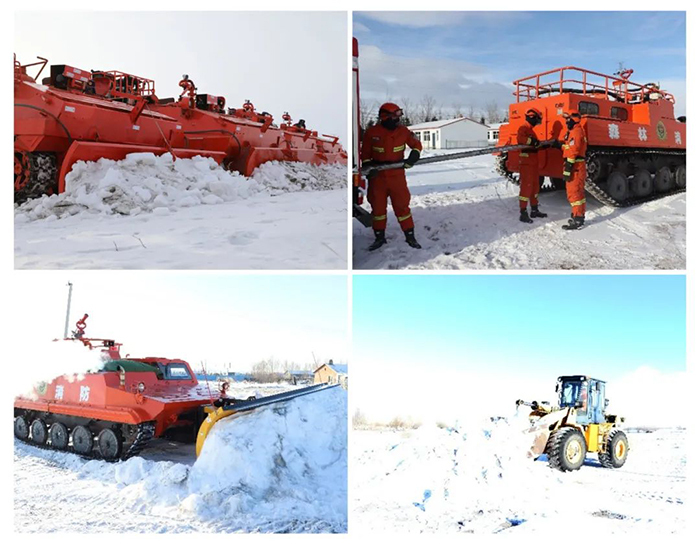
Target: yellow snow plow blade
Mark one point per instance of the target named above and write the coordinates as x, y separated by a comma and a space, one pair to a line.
226, 407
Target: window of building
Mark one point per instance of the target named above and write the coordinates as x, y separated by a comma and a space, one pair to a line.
588, 108
426, 136
619, 113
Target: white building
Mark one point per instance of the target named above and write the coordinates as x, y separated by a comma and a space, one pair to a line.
451, 133
494, 128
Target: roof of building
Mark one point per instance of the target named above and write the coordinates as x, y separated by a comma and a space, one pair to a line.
339, 369
299, 372
496, 125
442, 123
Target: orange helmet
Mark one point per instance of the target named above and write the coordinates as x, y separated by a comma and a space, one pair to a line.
575, 117
533, 111
533, 116
389, 110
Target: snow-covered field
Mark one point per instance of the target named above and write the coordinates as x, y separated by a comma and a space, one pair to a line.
281, 468
467, 218
477, 479
150, 212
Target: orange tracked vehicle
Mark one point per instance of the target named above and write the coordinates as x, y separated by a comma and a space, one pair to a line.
636, 147
113, 412
76, 114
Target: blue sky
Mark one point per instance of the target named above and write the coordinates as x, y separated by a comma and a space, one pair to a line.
406, 51
441, 346
604, 325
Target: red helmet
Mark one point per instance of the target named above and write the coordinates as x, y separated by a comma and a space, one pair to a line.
389, 110
575, 117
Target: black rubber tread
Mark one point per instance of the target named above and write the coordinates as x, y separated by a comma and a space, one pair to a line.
606, 457
597, 190
39, 432
43, 177
556, 446
59, 436
109, 444
21, 428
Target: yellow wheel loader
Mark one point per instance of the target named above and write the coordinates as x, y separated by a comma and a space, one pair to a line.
578, 425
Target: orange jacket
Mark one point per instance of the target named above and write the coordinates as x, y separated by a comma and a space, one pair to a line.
574, 144
526, 136
384, 145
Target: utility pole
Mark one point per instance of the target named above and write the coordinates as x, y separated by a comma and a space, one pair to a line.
70, 294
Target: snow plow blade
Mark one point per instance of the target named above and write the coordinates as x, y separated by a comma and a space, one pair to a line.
442, 158
224, 407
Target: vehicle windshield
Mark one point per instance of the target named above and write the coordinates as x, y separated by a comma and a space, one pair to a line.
177, 371
569, 395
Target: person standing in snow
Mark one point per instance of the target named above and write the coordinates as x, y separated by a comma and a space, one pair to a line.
386, 143
574, 146
529, 171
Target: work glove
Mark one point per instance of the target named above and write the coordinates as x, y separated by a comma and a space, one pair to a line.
412, 158
556, 144
568, 167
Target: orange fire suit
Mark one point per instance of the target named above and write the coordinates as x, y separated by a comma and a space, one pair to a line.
529, 171
382, 145
574, 146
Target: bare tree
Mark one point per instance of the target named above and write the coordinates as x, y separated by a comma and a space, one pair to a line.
493, 113
409, 111
457, 110
367, 113
426, 108
471, 112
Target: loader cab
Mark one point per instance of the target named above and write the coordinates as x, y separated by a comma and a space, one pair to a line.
586, 395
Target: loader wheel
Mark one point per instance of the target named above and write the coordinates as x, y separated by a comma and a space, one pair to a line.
82, 440
642, 185
679, 176
663, 181
21, 428
109, 444
616, 450
58, 434
616, 186
566, 449
39, 432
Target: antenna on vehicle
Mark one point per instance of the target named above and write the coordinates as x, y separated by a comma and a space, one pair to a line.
70, 294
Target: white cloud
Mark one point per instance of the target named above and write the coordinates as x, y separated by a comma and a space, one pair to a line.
448, 81
358, 27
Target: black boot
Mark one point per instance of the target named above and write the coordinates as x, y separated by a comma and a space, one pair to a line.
524, 217
379, 240
535, 212
411, 239
574, 223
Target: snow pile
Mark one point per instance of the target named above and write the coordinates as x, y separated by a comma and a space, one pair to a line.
286, 177
281, 468
478, 479
142, 182
146, 183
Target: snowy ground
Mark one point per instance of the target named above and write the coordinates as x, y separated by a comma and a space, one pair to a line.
478, 480
151, 212
467, 218
282, 468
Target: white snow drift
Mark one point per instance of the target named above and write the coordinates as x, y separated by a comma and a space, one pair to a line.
477, 479
466, 217
144, 182
153, 212
281, 468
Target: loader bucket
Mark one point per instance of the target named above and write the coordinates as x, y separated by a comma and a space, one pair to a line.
93, 151
540, 431
231, 407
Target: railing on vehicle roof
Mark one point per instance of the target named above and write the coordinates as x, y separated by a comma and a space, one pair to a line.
571, 79
125, 85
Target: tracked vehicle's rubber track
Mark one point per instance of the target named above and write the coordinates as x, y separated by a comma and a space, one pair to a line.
143, 433
598, 192
42, 176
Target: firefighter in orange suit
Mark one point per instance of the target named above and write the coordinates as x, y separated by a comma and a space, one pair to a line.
386, 143
574, 146
529, 171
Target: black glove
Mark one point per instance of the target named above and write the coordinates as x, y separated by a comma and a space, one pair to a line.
568, 167
556, 144
412, 159
371, 174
